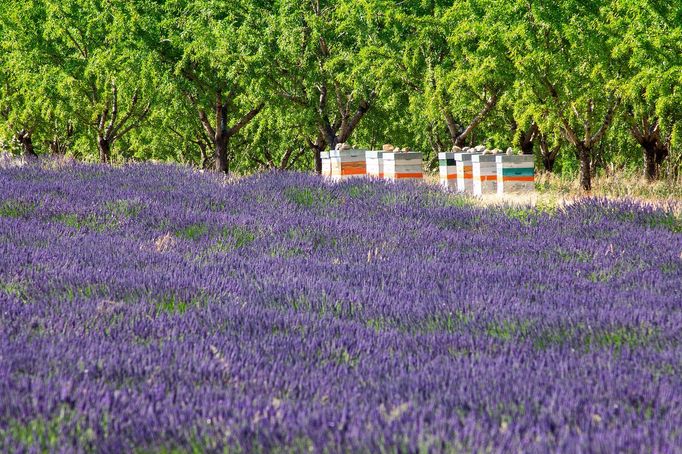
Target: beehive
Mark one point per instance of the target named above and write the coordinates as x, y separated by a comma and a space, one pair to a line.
465, 175
484, 174
403, 166
347, 164
447, 167
326, 164
375, 163
515, 173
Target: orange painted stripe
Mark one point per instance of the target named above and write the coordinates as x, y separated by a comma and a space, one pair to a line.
345, 172
529, 179
488, 177
409, 175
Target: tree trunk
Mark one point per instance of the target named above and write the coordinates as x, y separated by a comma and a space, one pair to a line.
55, 147
655, 154
24, 138
318, 161
585, 155
549, 155
221, 158
651, 169
204, 156
104, 147
548, 162
527, 139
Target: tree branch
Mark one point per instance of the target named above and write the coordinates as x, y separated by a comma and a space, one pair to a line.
246, 119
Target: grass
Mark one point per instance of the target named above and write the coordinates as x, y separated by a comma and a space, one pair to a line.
14, 288
617, 184
15, 208
44, 434
87, 222
309, 197
123, 208
192, 232
175, 305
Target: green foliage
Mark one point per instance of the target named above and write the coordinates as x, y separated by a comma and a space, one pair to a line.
277, 81
44, 434
15, 208
192, 232
308, 197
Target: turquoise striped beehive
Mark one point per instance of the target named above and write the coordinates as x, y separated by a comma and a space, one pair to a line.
447, 167
515, 173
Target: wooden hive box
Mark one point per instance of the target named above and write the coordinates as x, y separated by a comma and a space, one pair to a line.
447, 168
348, 164
465, 173
403, 166
515, 173
326, 164
375, 163
484, 174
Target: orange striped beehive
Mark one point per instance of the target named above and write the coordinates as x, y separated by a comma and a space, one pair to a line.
465, 172
484, 174
403, 165
515, 173
347, 164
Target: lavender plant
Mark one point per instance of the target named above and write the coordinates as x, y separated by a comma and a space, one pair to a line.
153, 308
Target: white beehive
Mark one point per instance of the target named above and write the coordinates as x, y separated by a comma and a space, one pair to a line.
465, 174
403, 166
515, 173
348, 164
484, 174
375, 163
326, 164
447, 167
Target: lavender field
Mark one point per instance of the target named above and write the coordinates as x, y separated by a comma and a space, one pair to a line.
152, 308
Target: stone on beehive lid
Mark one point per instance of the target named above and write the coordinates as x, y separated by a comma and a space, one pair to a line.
515, 173
388, 147
405, 165
447, 169
484, 174
510, 151
375, 163
348, 164
456, 149
479, 148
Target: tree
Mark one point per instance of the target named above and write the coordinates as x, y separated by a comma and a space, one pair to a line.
20, 95
647, 38
84, 69
563, 60
107, 80
215, 52
454, 58
322, 68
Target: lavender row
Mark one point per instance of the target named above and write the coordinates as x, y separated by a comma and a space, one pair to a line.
152, 307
